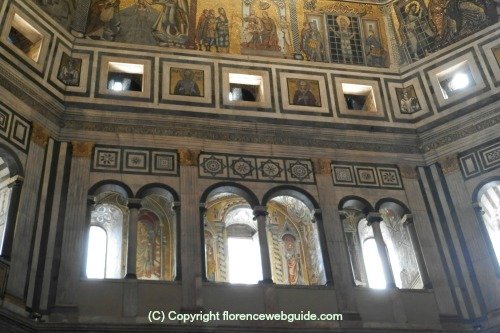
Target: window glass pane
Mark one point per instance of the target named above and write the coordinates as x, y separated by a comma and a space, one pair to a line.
373, 265
490, 202
96, 253
244, 260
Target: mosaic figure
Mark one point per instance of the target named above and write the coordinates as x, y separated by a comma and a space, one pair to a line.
210, 33
222, 31
103, 21
472, 17
312, 42
292, 259
171, 27
187, 86
262, 32
304, 95
137, 22
69, 72
408, 102
345, 36
374, 49
61, 10
200, 29
445, 28
416, 30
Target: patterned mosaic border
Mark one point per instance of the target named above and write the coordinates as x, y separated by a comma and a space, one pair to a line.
14, 128
481, 159
135, 160
366, 175
255, 168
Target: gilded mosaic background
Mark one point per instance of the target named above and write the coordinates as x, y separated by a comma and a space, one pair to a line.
314, 30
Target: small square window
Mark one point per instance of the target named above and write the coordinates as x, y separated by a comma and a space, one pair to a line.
25, 38
244, 87
359, 97
125, 77
456, 80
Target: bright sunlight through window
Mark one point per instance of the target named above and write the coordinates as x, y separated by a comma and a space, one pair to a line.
244, 260
96, 254
376, 278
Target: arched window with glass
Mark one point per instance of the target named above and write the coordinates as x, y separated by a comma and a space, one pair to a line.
383, 246
232, 247
294, 243
107, 237
11, 181
488, 204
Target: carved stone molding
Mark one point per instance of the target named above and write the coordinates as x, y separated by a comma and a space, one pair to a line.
82, 149
408, 171
40, 136
188, 157
322, 166
449, 164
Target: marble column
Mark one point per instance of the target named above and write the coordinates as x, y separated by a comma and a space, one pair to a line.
176, 207
75, 224
190, 231
26, 217
318, 218
374, 220
469, 240
335, 242
410, 227
15, 196
133, 216
260, 214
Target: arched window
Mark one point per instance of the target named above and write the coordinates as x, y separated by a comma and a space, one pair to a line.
156, 241
489, 200
107, 242
399, 245
296, 257
382, 251
232, 251
5, 195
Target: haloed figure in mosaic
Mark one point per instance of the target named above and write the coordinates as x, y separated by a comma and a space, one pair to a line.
417, 30
345, 35
187, 86
304, 96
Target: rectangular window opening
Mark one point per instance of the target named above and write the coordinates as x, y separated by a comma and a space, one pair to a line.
125, 77
359, 97
25, 38
455, 80
245, 87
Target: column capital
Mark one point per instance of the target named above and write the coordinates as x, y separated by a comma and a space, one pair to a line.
40, 135
373, 217
259, 211
408, 171
478, 208
408, 219
134, 203
321, 166
16, 181
82, 148
449, 163
176, 205
188, 157
203, 207
91, 200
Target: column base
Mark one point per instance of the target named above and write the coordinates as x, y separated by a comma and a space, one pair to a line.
266, 281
